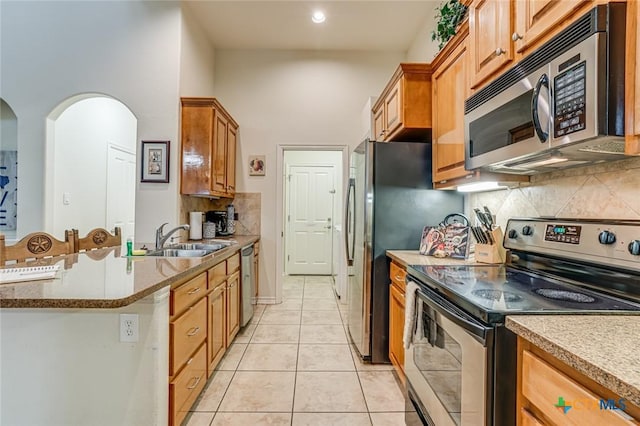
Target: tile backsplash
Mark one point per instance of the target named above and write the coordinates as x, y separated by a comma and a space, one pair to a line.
247, 205
605, 191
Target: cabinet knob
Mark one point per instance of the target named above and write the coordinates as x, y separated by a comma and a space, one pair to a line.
515, 36
500, 51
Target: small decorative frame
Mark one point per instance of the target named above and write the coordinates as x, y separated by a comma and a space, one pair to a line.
257, 165
155, 161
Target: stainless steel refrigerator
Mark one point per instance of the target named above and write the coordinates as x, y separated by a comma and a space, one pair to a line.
389, 200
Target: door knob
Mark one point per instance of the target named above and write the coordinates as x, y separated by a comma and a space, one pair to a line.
515, 36
500, 51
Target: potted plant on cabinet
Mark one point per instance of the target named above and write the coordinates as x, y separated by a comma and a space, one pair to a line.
449, 15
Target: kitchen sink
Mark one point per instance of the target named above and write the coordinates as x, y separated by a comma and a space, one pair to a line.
200, 246
174, 252
189, 249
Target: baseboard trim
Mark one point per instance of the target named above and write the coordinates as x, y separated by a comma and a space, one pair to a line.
266, 300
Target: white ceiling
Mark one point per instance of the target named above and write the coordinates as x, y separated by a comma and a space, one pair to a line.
350, 25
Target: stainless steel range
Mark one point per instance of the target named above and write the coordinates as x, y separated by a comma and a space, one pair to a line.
461, 364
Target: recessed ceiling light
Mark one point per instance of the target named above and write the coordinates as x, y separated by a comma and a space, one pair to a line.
318, 17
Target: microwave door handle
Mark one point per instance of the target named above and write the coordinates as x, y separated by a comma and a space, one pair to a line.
542, 81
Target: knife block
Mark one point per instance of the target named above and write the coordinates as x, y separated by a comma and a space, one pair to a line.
492, 253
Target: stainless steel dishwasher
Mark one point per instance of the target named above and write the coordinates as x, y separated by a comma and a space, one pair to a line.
247, 284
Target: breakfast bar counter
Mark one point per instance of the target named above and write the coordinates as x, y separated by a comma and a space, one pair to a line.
105, 279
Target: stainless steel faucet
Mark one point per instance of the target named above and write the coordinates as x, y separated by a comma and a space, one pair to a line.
161, 238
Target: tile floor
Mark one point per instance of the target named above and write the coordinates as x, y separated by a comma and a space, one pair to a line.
293, 365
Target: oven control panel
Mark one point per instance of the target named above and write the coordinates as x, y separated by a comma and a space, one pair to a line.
568, 234
614, 242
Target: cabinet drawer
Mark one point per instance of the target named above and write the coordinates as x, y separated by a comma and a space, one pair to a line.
217, 275
233, 263
187, 294
186, 333
528, 419
543, 385
398, 274
186, 386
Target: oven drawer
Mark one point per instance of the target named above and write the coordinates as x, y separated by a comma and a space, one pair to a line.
542, 385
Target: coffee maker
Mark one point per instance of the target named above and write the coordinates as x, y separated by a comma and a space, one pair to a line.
220, 219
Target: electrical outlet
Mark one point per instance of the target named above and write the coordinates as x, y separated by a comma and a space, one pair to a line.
129, 329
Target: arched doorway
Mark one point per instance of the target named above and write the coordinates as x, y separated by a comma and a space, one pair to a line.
90, 165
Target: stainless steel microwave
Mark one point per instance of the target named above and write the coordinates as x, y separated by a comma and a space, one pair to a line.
562, 106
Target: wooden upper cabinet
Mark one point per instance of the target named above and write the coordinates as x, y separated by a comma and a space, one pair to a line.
536, 19
490, 26
403, 110
197, 163
450, 89
209, 138
632, 81
220, 153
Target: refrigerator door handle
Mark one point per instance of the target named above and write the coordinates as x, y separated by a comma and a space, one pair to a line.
350, 221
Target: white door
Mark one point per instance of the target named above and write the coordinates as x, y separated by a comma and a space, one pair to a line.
121, 191
310, 191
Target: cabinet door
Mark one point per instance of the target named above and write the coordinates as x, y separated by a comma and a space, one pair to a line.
535, 19
217, 335
197, 131
218, 182
393, 109
490, 24
632, 80
232, 137
396, 326
449, 92
233, 306
378, 124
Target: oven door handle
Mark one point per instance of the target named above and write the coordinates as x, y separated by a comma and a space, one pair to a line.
480, 332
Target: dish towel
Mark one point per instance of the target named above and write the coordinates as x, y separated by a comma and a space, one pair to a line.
409, 313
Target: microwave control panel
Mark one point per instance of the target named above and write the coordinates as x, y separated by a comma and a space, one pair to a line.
569, 101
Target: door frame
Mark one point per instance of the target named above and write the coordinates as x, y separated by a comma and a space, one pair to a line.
280, 222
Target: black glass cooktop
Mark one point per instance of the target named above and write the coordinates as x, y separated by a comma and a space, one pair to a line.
490, 292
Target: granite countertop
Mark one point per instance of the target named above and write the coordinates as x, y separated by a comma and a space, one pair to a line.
602, 347
413, 257
105, 279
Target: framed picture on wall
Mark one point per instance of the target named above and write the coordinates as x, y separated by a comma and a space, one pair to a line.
257, 165
155, 161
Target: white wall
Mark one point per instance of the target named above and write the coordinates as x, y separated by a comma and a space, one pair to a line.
8, 128
197, 59
128, 50
64, 367
423, 49
295, 98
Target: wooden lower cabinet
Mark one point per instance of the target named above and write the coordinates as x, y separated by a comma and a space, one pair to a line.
396, 317
204, 319
217, 315
187, 385
233, 306
546, 385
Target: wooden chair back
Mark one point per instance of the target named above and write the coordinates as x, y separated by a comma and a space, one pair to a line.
36, 245
97, 238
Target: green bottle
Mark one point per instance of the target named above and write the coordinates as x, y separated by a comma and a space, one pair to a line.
129, 247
